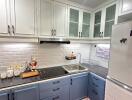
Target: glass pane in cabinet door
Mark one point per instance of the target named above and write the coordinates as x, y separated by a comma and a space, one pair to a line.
74, 15
86, 18
110, 13
108, 28
98, 17
97, 30
73, 29
85, 31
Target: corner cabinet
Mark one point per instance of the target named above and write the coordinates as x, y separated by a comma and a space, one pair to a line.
79, 86
96, 90
104, 18
52, 18
125, 7
79, 22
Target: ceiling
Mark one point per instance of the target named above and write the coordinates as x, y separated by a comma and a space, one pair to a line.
90, 3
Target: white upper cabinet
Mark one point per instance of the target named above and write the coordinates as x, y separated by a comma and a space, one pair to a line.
103, 20
125, 7
23, 17
60, 19
4, 18
53, 18
46, 14
79, 23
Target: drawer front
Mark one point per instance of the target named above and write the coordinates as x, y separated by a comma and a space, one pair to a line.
96, 81
55, 82
58, 97
49, 92
96, 94
61, 95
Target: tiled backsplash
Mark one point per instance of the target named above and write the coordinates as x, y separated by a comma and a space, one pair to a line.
47, 54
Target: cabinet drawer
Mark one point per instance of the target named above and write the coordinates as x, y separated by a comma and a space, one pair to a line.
96, 81
58, 97
55, 82
49, 92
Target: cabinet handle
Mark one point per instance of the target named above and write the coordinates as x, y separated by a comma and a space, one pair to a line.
94, 92
71, 81
95, 78
56, 89
9, 29
54, 32
79, 34
95, 85
131, 33
8, 96
13, 96
55, 98
51, 32
13, 29
101, 34
57, 82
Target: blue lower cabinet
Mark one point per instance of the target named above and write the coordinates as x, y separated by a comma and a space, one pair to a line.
96, 90
79, 86
57, 89
4, 95
26, 93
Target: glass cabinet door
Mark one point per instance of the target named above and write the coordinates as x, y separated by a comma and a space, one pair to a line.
97, 24
74, 23
109, 20
85, 24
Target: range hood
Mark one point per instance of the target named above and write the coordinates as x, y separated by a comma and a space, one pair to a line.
54, 40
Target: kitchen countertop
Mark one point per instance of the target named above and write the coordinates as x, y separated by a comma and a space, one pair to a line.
101, 71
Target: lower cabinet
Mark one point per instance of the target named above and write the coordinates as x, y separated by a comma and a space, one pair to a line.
96, 90
26, 93
57, 89
21, 93
4, 95
79, 86
74, 87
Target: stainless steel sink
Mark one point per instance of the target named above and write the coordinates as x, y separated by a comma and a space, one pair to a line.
74, 68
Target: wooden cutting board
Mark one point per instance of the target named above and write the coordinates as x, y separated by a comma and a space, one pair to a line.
29, 74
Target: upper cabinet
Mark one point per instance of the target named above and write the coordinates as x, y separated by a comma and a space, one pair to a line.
23, 17
109, 20
79, 22
97, 24
4, 18
17, 17
53, 18
103, 20
125, 7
